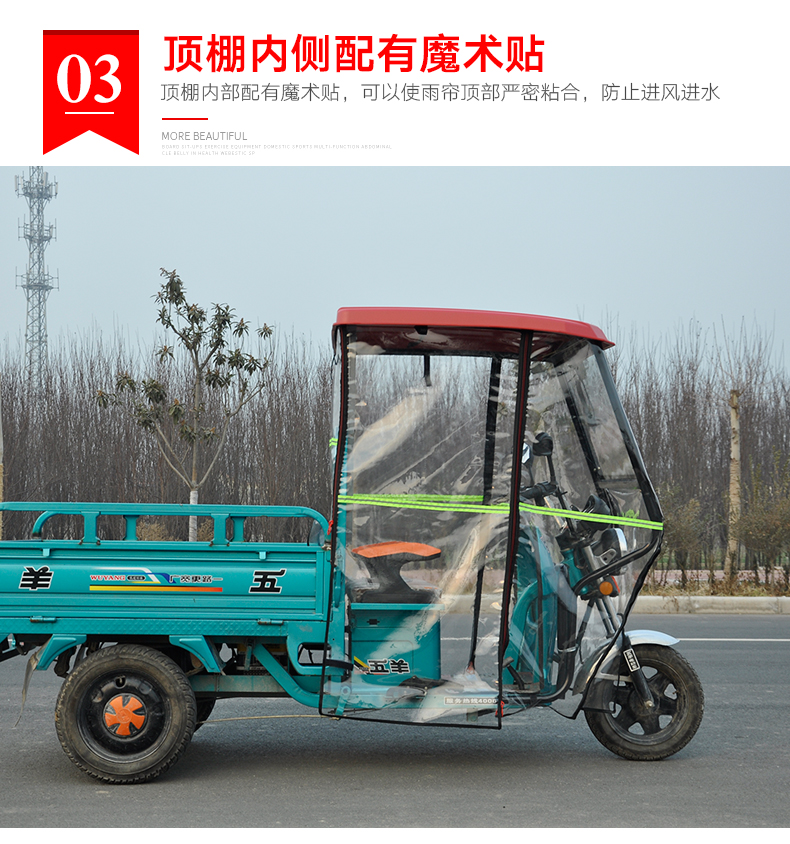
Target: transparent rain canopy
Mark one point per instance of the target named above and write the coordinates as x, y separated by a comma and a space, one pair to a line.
468, 580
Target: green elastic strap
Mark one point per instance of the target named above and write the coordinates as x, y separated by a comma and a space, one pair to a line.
450, 503
474, 504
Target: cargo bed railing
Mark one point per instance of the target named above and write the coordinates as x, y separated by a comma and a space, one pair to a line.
219, 513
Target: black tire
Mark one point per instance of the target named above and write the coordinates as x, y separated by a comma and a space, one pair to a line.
205, 706
126, 714
634, 732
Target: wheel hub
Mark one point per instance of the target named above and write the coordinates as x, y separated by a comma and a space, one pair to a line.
639, 707
125, 715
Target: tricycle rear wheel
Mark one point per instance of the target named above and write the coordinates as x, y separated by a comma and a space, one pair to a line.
634, 731
126, 714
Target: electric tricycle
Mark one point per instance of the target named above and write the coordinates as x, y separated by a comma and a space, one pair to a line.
492, 524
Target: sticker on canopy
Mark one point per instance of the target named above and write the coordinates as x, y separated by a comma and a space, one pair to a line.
471, 700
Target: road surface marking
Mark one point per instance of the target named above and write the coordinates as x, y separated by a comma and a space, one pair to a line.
735, 640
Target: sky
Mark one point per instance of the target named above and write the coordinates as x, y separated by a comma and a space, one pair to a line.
640, 251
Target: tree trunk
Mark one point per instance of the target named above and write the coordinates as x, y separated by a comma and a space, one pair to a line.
193, 499
733, 546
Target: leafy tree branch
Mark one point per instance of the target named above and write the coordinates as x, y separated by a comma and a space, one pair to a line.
191, 428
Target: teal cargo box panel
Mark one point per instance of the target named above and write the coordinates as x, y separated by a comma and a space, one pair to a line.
227, 586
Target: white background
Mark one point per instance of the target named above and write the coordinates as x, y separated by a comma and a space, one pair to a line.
738, 47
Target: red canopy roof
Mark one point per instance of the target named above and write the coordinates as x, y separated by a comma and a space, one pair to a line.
456, 318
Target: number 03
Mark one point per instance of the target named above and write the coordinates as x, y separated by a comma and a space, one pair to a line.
85, 78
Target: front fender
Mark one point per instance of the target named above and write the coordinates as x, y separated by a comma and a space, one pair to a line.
595, 662
651, 637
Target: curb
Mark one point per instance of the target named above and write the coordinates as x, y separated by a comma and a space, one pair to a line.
648, 604
665, 604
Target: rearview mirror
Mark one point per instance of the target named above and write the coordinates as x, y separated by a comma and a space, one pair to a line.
544, 445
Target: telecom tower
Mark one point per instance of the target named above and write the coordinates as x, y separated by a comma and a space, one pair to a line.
36, 281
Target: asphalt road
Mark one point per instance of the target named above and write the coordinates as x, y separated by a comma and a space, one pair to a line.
244, 770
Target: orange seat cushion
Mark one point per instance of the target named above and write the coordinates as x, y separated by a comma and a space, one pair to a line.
389, 549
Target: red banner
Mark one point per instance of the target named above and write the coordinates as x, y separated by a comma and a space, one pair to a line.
92, 84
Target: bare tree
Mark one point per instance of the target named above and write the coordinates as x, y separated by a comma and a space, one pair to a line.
764, 529
744, 365
677, 393
59, 447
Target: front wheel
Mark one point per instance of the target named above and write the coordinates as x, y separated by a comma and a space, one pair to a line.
125, 714
634, 731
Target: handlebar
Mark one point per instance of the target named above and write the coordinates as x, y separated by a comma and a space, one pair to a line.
538, 491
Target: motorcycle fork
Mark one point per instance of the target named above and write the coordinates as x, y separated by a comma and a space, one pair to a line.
637, 675
638, 678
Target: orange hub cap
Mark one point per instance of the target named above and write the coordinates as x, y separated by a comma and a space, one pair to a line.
124, 712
